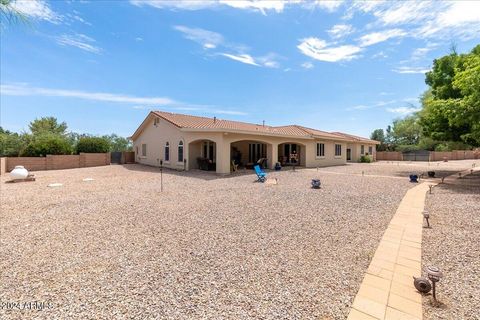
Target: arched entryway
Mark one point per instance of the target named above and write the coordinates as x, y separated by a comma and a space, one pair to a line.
202, 155
247, 153
291, 153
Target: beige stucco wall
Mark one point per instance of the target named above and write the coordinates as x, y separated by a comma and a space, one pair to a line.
155, 138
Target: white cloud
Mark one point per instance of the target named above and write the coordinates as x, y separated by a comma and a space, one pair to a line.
374, 105
208, 39
37, 9
377, 37
138, 39
380, 54
256, 5
175, 5
307, 65
329, 5
407, 69
243, 58
320, 50
403, 110
340, 30
80, 41
26, 90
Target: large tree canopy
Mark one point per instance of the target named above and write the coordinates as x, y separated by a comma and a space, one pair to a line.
451, 107
47, 125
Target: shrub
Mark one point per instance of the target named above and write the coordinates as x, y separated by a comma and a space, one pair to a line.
452, 145
92, 145
45, 144
365, 159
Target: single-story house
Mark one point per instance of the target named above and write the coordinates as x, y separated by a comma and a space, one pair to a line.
187, 142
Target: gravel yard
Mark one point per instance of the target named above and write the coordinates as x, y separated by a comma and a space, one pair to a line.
207, 247
453, 245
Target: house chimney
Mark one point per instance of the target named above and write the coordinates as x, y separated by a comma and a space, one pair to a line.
214, 119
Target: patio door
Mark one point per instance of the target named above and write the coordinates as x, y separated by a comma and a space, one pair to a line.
291, 148
349, 154
256, 151
208, 150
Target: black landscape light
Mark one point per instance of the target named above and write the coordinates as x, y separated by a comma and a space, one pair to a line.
426, 216
434, 274
431, 187
316, 183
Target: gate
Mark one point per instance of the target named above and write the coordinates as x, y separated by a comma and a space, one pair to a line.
420, 155
116, 157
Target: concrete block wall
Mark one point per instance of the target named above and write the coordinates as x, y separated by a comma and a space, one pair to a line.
57, 162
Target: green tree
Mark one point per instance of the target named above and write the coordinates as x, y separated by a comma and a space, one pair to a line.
92, 145
406, 131
47, 143
451, 107
10, 15
379, 135
47, 125
11, 143
118, 143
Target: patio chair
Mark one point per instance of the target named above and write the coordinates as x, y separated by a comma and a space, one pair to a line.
234, 166
261, 175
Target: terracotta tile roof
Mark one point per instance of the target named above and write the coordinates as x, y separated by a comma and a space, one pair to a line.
355, 138
185, 121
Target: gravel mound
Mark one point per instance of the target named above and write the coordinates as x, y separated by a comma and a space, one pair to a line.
207, 247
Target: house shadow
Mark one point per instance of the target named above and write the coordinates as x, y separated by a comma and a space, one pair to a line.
194, 173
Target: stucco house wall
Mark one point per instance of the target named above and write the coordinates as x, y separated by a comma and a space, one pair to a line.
156, 133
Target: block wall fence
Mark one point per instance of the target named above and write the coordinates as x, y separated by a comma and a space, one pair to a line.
55, 162
434, 155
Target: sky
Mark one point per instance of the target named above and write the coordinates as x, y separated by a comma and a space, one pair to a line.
348, 66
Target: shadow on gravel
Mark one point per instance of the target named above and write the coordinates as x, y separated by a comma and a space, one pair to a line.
469, 184
195, 173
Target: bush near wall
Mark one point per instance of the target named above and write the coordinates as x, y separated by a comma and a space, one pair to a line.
45, 144
92, 145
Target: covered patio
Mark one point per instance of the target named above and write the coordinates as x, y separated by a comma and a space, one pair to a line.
202, 155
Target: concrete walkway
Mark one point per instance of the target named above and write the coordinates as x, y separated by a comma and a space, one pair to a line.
387, 290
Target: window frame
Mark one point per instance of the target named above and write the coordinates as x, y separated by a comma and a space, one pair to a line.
370, 150
166, 148
144, 150
182, 146
362, 149
319, 154
338, 155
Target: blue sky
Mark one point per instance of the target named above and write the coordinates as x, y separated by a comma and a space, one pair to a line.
332, 65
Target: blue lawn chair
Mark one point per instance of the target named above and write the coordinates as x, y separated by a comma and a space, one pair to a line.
262, 175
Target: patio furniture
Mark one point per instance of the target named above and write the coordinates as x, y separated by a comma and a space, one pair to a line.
262, 162
261, 175
234, 166
431, 174
413, 178
278, 166
206, 164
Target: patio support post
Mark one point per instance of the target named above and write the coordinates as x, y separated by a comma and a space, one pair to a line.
272, 155
223, 156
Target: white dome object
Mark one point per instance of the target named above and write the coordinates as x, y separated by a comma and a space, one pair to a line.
19, 173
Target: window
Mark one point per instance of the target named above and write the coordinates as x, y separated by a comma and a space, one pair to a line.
370, 150
338, 150
167, 152
362, 149
320, 150
144, 150
180, 151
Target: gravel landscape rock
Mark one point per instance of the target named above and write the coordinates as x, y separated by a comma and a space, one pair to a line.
453, 245
206, 247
